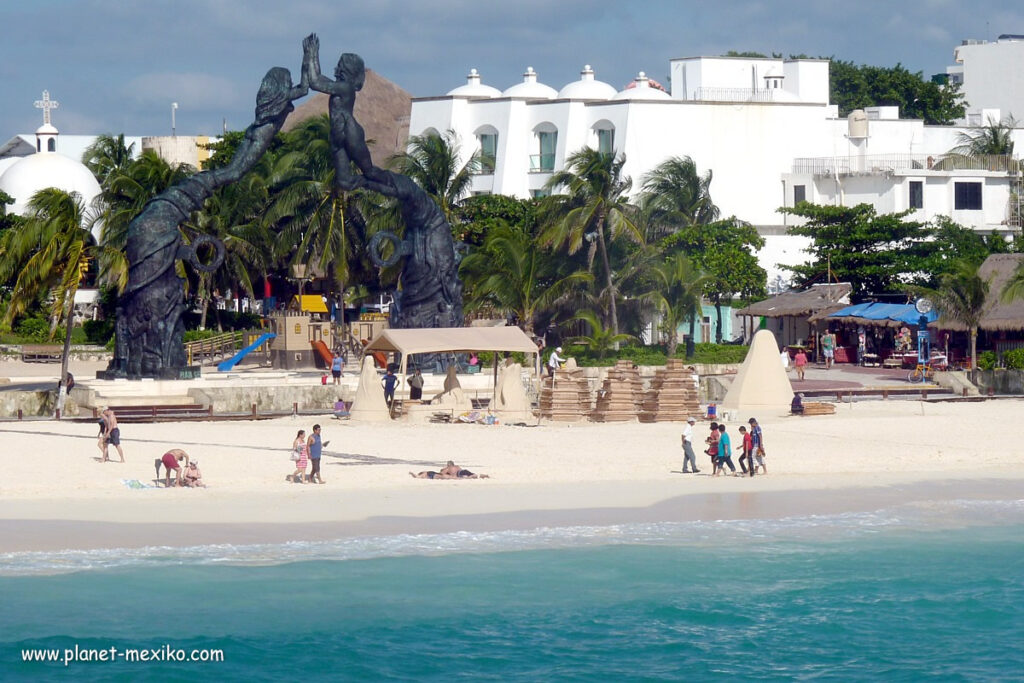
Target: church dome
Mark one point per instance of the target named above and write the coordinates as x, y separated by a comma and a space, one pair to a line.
8, 162
474, 88
30, 174
530, 88
641, 89
587, 88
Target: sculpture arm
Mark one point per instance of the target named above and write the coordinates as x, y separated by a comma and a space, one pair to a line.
311, 75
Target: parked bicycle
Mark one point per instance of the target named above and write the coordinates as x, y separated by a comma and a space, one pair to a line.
923, 371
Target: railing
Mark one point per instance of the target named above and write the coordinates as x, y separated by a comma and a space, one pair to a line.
542, 163
880, 164
734, 95
204, 350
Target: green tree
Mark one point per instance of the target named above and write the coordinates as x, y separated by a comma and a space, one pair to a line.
855, 87
601, 339
432, 160
677, 297
477, 216
595, 207
512, 273
674, 195
960, 298
875, 253
50, 255
108, 157
995, 138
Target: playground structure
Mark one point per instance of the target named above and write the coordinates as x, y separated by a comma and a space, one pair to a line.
300, 342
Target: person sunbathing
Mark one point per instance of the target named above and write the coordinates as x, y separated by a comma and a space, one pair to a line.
449, 471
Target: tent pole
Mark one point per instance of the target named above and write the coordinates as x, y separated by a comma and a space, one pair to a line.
404, 368
494, 385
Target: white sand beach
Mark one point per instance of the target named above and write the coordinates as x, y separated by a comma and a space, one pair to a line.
55, 494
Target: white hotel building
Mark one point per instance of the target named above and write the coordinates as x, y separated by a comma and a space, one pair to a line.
764, 127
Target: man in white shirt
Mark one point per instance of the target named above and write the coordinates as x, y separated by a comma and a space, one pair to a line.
688, 455
555, 361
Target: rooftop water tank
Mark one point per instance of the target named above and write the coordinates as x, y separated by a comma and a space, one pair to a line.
857, 122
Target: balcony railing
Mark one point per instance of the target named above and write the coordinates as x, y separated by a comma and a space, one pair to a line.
881, 164
734, 95
542, 163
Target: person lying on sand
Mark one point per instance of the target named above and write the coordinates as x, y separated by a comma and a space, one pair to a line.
450, 471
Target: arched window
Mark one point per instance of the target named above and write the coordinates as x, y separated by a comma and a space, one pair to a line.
546, 140
51, 145
604, 137
487, 138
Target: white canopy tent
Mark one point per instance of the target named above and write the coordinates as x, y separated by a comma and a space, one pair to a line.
453, 339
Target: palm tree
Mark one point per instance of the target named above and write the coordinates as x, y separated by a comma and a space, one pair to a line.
677, 296
50, 253
107, 157
512, 272
595, 208
995, 138
432, 160
1014, 287
675, 195
601, 340
960, 298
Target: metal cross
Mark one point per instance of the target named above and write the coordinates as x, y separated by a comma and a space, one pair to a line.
46, 104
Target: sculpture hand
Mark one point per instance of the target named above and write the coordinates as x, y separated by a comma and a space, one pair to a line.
310, 46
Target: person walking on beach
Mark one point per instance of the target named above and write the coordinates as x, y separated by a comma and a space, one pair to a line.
724, 452
828, 345
315, 447
746, 452
689, 459
800, 362
390, 382
300, 456
337, 365
712, 442
113, 435
416, 386
757, 444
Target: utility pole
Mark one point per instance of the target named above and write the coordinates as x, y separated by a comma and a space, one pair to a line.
174, 107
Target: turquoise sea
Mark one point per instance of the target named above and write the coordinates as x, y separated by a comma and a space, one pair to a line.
918, 592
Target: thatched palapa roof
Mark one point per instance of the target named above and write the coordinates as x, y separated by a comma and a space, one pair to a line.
997, 315
818, 299
382, 108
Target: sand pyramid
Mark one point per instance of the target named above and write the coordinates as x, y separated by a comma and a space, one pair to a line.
761, 385
621, 395
369, 404
673, 394
567, 399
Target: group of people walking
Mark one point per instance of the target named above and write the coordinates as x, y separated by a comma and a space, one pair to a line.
720, 449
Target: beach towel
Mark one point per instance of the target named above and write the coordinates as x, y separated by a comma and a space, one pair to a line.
136, 484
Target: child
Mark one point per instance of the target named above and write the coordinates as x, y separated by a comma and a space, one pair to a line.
712, 450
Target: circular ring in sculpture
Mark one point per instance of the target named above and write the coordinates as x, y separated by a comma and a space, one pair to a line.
218, 253
374, 248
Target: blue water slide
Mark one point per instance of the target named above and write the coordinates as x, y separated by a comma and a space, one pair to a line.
230, 363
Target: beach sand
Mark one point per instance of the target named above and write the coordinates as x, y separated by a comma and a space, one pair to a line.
54, 494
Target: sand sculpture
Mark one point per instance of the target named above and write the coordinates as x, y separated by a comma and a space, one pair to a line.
673, 395
761, 385
510, 401
620, 396
369, 404
453, 396
567, 399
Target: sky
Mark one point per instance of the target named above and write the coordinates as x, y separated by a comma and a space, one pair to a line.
115, 66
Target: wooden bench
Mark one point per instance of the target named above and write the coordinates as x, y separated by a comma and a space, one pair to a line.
154, 412
42, 354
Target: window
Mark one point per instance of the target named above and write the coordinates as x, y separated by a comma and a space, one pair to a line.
537, 194
544, 162
51, 145
967, 196
799, 194
488, 152
606, 140
916, 194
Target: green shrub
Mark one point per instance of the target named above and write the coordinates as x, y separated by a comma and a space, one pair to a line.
196, 335
987, 360
716, 353
98, 331
35, 329
1014, 359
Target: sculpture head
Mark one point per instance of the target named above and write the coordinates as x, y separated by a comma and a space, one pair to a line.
351, 69
273, 97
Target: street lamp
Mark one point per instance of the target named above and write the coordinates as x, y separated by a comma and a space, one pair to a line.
174, 107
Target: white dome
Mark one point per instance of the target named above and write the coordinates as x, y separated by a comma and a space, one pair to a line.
474, 88
640, 89
530, 88
587, 88
39, 171
46, 129
8, 162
